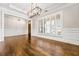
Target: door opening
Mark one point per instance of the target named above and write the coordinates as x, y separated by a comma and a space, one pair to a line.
29, 31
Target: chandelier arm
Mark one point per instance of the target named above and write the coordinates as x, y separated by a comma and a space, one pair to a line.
34, 11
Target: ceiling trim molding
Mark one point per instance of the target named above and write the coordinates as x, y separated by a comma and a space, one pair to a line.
16, 8
13, 13
52, 10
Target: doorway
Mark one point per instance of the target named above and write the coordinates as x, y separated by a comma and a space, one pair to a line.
29, 31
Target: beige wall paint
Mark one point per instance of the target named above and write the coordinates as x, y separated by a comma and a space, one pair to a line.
71, 16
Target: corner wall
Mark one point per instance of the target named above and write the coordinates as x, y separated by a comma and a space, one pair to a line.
14, 26
70, 33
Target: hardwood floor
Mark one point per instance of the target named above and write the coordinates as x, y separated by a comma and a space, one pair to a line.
1, 48
19, 46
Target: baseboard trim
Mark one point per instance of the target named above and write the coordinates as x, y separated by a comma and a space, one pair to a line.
59, 39
16, 35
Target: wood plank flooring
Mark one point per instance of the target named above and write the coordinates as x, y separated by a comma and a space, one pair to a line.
19, 46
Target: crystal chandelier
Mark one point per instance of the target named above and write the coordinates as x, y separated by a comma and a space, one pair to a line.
35, 10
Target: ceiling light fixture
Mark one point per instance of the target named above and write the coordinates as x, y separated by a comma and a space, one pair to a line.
35, 10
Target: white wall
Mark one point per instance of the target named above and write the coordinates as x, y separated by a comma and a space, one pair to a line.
70, 25
10, 31
1, 26
34, 26
12, 26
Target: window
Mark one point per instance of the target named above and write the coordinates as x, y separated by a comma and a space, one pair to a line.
51, 24
47, 26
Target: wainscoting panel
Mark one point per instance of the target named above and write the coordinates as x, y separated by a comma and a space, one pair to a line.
71, 34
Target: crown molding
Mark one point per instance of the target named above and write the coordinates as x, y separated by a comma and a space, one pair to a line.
17, 9
56, 8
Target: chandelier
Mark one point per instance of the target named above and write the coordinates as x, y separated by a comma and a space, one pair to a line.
35, 10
